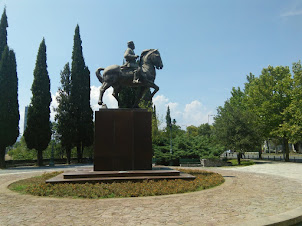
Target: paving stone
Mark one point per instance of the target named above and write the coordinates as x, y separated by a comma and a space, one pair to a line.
249, 193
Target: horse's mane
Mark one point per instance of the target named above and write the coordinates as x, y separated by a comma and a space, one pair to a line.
144, 53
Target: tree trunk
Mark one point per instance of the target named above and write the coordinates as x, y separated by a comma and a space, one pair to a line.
68, 155
267, 144
79, 153
286, 150
238, 157
2, 158
40, 158
260, 153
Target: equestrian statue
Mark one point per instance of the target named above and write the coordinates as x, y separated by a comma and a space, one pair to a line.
133, 73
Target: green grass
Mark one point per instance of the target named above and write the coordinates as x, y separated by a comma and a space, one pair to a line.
37, 186
242, 162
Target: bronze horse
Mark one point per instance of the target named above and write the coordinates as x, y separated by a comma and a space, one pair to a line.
119, 77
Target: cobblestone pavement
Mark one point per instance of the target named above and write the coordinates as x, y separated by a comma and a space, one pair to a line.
246, 195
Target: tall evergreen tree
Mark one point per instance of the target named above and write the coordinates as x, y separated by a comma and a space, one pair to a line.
155, 130
80, 98
168, 118
3, 32
64, 112
127, 97
9, 106
38, 132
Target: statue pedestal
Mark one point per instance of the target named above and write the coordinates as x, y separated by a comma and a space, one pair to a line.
122, 151
122, 140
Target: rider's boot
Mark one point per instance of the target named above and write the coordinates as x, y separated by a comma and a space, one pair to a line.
135, 78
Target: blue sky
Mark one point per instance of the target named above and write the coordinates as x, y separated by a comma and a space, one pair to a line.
207, 47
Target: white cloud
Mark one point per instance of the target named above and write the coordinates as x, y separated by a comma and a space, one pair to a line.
54, 104
160, 100
193, 113
295, 12
21, 121
108, 99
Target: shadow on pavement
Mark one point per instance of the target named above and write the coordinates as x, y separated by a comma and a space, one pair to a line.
48, 167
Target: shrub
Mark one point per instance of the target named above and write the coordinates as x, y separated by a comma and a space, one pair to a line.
37, 186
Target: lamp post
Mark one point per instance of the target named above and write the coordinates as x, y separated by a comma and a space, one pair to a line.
52, 162
54, 135
171, 152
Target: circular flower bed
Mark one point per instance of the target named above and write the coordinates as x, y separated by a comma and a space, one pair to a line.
37, 186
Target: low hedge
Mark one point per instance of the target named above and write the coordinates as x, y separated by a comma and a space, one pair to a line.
37, 186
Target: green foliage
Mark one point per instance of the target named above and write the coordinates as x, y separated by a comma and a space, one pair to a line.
127, 97
38, 132
292, 125
168, 118
20, 151
269, 98
82, 114
195, 143
9, 106
64, 113
236, 127
234, 162
37, 186
3, 31
205, 130
190, 146
192, 131
185, 145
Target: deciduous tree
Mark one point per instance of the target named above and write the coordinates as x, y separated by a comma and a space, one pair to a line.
268, 97
235, 126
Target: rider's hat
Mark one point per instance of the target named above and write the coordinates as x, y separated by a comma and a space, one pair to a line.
130, 42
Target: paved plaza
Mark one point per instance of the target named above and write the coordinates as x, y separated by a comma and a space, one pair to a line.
254, 195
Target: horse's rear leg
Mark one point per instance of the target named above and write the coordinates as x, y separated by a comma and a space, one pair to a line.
103, 88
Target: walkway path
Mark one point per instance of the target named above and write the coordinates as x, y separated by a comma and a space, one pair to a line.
246, 196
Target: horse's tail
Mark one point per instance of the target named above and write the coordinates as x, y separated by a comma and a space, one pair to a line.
98, 74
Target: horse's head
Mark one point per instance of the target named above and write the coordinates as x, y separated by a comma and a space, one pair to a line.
152, 56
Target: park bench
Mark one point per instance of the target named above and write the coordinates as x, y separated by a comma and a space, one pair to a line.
190, 162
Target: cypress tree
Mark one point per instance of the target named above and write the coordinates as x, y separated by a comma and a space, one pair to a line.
168, 118
9, 107
3, 32
64, 112
38, 131
127, 97
80, 98
154, 123
169, 125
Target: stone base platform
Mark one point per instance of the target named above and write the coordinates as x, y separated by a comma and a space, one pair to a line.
91, 176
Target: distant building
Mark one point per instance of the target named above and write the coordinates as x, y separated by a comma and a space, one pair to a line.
25, 118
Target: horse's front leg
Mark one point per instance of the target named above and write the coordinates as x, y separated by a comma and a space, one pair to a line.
155, 87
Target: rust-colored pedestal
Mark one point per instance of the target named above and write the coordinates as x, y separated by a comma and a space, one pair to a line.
122, 140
